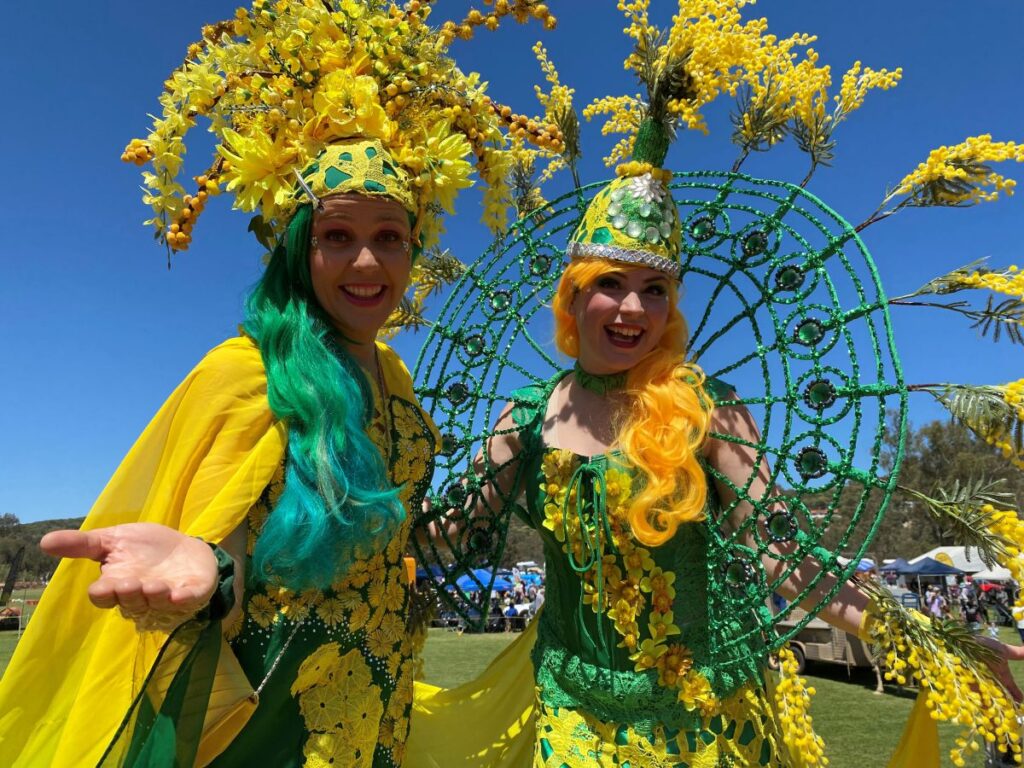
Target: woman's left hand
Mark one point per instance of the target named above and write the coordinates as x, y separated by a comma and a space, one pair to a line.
1000, 664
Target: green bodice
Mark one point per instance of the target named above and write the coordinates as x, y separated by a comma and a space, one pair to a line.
334, 668
628, 632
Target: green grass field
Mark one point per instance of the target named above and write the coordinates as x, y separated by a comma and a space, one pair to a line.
860, 728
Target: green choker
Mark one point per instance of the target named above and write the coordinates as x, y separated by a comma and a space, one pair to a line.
600, 384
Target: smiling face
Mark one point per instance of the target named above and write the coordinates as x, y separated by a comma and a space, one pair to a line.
359, 263
620, 317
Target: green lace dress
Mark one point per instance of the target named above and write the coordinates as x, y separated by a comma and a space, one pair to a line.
334, 668
634, 662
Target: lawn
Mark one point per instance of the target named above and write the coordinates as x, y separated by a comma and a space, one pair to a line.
860, 728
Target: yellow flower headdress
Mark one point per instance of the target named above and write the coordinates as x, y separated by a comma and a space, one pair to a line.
284, 80
708, 51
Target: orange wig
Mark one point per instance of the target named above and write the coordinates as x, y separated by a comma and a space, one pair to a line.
669, 414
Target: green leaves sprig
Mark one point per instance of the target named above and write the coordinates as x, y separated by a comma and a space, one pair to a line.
960, 511
982, 408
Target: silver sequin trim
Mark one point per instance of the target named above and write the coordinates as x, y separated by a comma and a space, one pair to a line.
582, 250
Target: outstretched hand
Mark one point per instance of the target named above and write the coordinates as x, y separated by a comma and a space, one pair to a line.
157, 576
1000, 664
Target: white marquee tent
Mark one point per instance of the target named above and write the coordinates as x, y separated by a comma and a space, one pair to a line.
965, 558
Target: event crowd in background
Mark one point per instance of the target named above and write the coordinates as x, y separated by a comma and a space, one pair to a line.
516, 596
982, 605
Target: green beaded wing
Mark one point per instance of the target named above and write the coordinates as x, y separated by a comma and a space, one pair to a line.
783, 301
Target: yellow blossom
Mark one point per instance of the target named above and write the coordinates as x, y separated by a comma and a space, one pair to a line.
695, 693
793, 700
661, 625
956, 692
261, 169
317, 668
959, 175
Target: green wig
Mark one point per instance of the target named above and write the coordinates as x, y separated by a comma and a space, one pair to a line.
338, 504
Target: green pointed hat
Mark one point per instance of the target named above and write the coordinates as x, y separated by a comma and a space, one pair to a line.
634, 218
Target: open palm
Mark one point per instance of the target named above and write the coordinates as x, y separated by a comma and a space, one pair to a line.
153, 573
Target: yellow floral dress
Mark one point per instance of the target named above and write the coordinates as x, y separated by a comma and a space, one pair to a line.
334, 668
629, 669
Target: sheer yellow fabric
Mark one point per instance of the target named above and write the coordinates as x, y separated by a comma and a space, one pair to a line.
491, 720
485, 723
198, 467
919, 745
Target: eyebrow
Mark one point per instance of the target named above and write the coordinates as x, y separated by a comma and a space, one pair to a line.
648, 281
345, 215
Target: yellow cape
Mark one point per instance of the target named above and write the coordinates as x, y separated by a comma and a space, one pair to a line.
198, 467
486, 723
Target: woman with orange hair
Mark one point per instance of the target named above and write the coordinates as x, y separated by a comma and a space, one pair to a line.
633, 477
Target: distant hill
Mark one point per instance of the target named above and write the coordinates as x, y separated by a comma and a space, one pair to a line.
14, 535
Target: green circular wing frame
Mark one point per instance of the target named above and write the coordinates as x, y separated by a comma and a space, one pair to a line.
784, 303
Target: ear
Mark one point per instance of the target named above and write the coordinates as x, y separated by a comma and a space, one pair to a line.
577, 298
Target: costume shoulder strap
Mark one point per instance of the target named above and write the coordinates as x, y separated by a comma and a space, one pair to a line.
399, 382
529, 404
718, 389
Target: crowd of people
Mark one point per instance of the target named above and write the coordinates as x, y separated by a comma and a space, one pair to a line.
510, 609
980, 605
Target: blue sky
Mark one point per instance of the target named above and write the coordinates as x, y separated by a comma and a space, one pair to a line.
97, 331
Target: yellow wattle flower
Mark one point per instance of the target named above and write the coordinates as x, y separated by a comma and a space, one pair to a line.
966, 163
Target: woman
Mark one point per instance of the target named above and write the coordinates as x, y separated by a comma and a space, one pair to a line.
314, 565
272, 493
639, 658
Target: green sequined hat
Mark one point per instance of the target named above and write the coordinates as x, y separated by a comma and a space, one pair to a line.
634, 218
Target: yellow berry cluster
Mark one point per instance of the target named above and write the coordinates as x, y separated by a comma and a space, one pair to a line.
520, 10
1000, 435
793, 701
547, 136
857, 82
637, 168
179, 234
956, 691
285, 78
1010, 282
138, 152
1007, 525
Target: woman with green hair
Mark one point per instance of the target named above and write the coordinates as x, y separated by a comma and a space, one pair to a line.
305, 437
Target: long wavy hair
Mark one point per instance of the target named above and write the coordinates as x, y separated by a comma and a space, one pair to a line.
338, 503
668, 420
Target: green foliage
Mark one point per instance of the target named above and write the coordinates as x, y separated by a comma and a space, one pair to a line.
959, 511
14, 535
523, 543
998, 317
945, 462
8, 524
984, 410
759, 124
